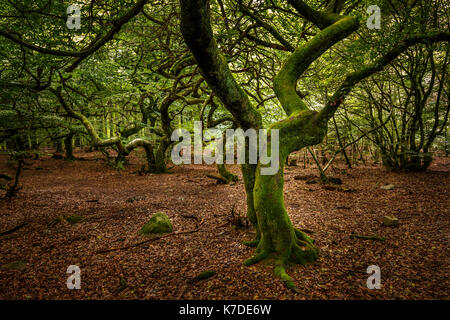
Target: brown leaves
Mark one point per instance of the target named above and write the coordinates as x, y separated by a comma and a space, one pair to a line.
413, 258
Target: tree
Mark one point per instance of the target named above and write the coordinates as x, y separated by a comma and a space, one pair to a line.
275, 235
420, 101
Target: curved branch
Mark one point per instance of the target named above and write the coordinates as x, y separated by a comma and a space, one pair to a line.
117, 25
353, 78
96, 140
268, 27
285, 82
319, 18
196, 30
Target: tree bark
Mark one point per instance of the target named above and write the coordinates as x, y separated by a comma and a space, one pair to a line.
276, 236
68, 145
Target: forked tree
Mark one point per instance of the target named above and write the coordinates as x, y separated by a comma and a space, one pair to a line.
276, 237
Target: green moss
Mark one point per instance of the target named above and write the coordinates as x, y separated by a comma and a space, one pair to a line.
248, 172
159, 223
284, 83
279, 238
73, 219
16, 265
227, 175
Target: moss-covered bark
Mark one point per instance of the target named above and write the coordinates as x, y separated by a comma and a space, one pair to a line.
227, 175
249, 172
196, 29
302, 128
276, 236
160, 165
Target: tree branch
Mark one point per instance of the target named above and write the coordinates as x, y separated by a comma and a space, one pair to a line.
117, 25
353, 78
285, 82
197, 33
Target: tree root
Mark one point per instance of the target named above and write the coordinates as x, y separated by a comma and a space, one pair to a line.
219, 179
302, 251
280, 272
256, 258
251, 243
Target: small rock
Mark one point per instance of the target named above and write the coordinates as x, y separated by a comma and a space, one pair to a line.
387, 187
390, 221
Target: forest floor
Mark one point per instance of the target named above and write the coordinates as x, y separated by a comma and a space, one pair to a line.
414, 258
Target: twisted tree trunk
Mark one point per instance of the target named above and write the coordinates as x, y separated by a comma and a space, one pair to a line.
275, 235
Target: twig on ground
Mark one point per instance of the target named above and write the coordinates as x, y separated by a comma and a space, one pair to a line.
13, 229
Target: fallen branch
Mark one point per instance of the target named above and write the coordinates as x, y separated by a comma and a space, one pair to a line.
189, 216
13, 229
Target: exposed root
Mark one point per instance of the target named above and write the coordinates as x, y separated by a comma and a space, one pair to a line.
301, 235
280, 271
256, 258
252, 243
302, 251
220, 180
13, 229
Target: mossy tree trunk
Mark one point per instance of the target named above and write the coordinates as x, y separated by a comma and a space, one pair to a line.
227, 175
275, 234
223, 171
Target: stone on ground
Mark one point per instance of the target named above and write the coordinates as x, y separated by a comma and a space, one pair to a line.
390, 221
159, 223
